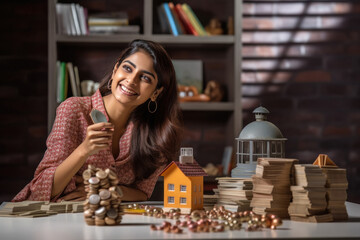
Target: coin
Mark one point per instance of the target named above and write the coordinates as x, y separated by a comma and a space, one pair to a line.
86, 174
101, 174
111, 174
94, 199
105, 194
112, 213
100, 212
94, 180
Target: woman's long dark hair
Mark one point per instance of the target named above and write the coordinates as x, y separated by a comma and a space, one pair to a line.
156, 137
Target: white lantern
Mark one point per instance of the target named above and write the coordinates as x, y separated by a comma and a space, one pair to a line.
258, 139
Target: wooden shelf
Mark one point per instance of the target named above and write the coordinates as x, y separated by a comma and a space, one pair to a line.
162, 38
207, 106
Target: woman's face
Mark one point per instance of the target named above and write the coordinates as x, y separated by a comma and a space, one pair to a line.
135, 80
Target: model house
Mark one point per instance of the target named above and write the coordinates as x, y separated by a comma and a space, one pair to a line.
183, 183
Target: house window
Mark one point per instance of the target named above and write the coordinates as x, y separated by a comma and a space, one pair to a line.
171, 187
171, 200
182, 200
182, 188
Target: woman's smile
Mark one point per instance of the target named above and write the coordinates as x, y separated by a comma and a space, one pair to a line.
126, 90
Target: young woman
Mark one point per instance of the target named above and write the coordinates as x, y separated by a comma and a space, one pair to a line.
141, 137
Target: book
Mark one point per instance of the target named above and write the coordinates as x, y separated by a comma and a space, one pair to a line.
58, 81
61, 82
194, 20
118, 18
77, 80
177, 21
82, 19
66, 83
171, 20
164, 24
70, 19
75, 19
185, 20
70, 69
226, 160
114, 29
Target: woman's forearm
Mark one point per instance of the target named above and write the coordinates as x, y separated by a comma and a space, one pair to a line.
132, 194
67, 169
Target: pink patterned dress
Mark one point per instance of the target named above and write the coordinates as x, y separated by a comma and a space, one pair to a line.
69, 131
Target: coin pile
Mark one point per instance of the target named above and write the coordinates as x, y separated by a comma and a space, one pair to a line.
102, 206
216, 220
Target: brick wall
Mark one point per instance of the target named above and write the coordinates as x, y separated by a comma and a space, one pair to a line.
301, 60
23, 92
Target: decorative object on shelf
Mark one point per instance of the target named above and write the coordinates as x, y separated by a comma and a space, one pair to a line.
258, 139
215, 91
230, 26
190, 94
214, 27
183, 183
89, 87
189, 73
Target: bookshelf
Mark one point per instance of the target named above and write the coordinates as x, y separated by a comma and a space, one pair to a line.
221, 55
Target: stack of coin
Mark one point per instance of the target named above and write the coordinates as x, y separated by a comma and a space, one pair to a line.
102, 206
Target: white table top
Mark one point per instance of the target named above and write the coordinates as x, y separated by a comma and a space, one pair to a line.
72, 226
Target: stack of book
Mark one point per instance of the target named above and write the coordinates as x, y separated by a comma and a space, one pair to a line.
71, 19
111, 22
179, 19
271, 186
234, 194
309, 201
336, 195
66, 72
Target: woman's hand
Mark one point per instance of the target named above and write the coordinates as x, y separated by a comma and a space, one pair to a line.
78, 194
98, 137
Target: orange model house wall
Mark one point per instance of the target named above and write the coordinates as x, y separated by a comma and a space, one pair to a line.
183, 186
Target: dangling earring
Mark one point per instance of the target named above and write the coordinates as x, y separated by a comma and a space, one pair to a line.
152, 111
109, 84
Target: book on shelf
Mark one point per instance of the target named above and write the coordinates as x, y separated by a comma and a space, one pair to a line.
170, 19
70, 69
194, 19
66, 73
132, 29
119, 18
177, 21
111, 23
71, 19
189, 28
